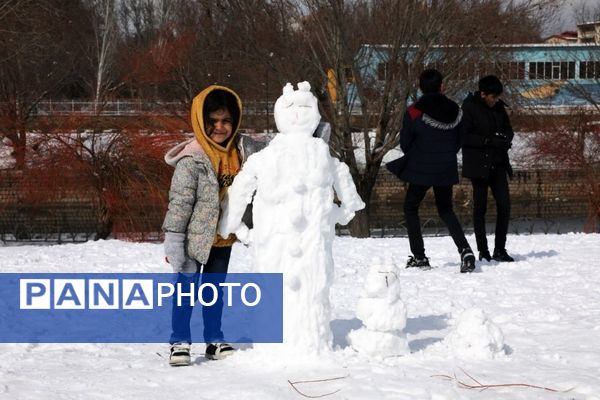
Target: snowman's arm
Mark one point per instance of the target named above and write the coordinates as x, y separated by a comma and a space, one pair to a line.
346, 192
238, 196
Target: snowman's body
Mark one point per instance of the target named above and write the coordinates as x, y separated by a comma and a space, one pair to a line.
383, 314
294, 216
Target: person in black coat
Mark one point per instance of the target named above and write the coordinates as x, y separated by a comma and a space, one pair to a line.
486, 137
430, 140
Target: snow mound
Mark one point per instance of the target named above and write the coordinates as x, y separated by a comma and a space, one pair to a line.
378, 345
475, 336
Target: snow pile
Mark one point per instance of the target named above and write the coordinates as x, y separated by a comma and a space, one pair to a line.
291, 184
475, 336
383, 314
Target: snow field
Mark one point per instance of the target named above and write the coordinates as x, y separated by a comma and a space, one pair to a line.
546, 306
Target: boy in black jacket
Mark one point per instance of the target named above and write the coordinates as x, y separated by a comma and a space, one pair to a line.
430, 140
486, 137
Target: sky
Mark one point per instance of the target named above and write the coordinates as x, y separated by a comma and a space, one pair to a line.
567, 19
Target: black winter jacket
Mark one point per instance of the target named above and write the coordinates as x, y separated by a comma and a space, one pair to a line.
430, 139
486, 135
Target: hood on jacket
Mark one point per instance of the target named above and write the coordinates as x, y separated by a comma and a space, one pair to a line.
224, 157
183, 149
439, 111
197, 115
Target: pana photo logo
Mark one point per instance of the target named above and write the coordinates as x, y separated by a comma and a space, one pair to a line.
36, 294
138, 307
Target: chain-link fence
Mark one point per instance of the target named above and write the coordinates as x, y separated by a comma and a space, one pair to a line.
542, 201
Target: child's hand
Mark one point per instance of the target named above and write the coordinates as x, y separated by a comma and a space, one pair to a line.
175, 250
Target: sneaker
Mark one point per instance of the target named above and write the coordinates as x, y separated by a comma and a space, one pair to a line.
180, 355
467, 261
485, 255
502, 256
218, 351
421, 263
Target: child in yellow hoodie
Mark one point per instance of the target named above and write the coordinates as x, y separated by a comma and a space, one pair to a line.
204, 169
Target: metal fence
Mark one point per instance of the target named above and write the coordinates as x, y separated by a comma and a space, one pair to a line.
133, 108
118, 108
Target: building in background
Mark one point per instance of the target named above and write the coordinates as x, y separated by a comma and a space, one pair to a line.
563, 37
547, 77
588, 32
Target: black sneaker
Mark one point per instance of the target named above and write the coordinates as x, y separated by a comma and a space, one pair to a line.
180, 355
421, 263
485, 255
218, 351
502, 256
467, 261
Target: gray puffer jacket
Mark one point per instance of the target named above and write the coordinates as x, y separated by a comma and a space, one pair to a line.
194, 194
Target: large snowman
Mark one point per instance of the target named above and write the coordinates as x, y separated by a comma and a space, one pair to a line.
294, 216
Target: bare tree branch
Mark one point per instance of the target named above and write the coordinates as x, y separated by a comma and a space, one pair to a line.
482, 387
294, 386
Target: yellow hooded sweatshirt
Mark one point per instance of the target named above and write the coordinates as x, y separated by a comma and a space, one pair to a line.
225, 160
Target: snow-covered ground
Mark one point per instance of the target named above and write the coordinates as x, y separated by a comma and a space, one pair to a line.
546, 304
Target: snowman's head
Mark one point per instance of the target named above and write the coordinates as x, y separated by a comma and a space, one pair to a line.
297, 111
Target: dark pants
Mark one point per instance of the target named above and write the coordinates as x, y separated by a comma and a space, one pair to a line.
443, 201
498, 183
218, 261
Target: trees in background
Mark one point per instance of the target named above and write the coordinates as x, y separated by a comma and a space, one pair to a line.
99, 47
586, 12
36, 62
406, 34
175, 48
167, 50
115, 165
573, 143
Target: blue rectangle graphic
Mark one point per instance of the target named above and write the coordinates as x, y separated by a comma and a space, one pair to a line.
140, 308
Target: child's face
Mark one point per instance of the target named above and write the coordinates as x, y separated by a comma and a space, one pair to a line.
490, 99
219, 126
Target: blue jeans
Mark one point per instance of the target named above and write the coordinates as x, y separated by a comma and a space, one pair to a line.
218, 261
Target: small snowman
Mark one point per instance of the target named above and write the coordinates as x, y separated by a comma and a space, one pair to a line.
383, 314
475, 336
291, 185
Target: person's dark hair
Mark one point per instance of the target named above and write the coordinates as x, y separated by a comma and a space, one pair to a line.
430, 81
491, 85
222, 100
